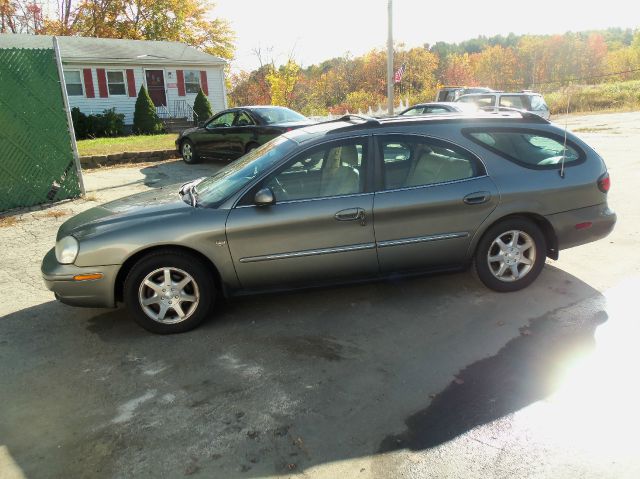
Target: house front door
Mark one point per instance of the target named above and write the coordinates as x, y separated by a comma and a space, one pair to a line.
155, 85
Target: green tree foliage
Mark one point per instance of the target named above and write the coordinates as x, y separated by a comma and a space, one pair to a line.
106, 124
145, 118
201, 106
282, 82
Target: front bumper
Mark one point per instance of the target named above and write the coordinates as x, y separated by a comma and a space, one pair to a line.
98, 293
584, 225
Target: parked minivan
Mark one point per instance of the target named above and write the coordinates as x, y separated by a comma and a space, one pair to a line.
494, 101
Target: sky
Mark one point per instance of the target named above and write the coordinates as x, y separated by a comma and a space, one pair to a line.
313, 31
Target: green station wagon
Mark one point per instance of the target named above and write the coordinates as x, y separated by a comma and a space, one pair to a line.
347, 200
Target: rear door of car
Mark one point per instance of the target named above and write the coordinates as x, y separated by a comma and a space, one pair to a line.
318, 230
431, 197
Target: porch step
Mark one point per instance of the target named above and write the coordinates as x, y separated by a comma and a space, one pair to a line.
176, 125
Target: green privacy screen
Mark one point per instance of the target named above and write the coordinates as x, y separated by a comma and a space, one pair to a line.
36, 158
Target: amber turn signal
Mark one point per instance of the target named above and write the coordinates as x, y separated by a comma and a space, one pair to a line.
86, 277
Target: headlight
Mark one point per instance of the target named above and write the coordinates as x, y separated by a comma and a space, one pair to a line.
67, 250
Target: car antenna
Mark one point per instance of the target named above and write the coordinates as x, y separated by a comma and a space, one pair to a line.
566, 121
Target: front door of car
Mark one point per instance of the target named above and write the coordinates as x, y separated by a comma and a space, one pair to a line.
241, 134
432, 196
320, 227
215, 140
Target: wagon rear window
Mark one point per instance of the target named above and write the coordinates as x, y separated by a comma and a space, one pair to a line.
527, 148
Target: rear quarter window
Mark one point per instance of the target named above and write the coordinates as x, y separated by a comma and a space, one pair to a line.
529, 148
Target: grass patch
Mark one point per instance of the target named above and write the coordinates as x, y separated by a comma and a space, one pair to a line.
614, 96
110, 146
8, 221
55, 214
589, 129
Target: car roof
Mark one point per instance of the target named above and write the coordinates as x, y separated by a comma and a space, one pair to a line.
354, 123
436, 103
523, 93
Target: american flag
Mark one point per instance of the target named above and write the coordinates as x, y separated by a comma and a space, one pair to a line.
397, 78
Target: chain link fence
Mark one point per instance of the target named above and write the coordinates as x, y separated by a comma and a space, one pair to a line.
37, 162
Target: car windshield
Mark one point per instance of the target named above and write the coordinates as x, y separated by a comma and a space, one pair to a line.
416, 110
214, 190
278, 115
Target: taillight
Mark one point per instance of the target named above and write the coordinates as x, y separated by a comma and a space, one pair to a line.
604, 183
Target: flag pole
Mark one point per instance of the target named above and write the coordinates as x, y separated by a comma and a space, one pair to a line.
390, 59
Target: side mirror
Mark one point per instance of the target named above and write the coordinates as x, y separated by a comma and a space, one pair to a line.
264, 197
201, 124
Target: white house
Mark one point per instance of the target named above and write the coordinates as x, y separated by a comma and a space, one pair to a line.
102, 73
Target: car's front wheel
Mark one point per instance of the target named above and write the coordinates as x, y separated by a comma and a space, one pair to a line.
510, 255
169, 292
189, 153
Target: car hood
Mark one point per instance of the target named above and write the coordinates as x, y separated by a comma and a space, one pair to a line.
147, 206
189, 130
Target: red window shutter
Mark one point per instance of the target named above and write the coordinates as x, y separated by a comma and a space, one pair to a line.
88, 83
180, 76
102, 83
203, 82
131, 83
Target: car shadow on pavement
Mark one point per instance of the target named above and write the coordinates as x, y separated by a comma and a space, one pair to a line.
283, 383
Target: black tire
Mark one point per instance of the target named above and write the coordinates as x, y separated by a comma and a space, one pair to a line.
250, 147
488, 271
202, 287
191, 158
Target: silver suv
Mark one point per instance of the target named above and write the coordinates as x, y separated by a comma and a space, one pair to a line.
495, 101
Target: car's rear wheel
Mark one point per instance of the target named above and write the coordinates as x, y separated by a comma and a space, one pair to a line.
510, 255
169, 292
189, 153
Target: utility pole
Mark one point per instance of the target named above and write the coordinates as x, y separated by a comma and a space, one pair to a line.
390, 59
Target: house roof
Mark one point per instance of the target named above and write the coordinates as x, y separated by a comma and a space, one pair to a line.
111, 50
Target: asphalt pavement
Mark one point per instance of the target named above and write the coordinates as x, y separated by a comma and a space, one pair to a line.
425, 377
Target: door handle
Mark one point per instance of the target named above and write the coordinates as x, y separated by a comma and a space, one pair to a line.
352, 214
477, 198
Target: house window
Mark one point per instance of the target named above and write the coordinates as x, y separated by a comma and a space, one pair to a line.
73, 80
115, 81
192, 81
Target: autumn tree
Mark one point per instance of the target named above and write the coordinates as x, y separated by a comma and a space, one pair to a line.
20, 16
458, 70
282, 82
186, 21
497, 67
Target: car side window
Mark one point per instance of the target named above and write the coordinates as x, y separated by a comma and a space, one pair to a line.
226, 119
512, 101
538, 104
528, 148
243, 119
418, 161
331, 170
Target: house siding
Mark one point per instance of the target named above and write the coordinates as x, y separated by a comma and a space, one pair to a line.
126, 104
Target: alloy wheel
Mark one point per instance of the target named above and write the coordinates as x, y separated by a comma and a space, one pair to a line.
511, 255
187, 152
169, 295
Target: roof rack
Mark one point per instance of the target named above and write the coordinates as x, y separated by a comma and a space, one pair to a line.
527, 115
366, 119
